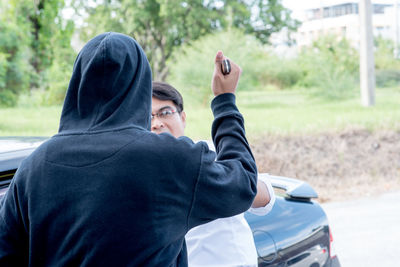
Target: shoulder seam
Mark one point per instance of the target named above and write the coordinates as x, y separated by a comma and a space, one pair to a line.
195, 188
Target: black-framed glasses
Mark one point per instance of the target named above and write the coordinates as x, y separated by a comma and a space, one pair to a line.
164, 114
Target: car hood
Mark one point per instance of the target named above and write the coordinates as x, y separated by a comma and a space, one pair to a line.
15, 143
15, 149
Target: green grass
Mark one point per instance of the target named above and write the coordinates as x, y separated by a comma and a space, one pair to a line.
295, 112
267, 112
32, 121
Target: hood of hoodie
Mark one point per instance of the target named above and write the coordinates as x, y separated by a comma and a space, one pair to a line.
110, 87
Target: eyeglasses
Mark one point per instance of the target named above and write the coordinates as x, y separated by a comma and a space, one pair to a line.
165, 114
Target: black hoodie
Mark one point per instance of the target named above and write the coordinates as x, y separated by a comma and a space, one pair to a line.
105, 191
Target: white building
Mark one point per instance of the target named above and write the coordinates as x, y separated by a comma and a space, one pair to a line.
341, 18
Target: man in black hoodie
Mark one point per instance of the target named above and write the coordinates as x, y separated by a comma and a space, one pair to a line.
105, 191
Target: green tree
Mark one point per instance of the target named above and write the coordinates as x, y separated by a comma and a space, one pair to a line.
162, 26
35, 50
42, 23
257, 17
14, 72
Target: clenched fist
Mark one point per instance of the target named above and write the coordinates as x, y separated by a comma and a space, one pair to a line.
221, 83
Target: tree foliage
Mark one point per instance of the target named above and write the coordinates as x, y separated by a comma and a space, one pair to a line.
35, 50
162, 26
42, 22
14, 72
260, 18
34, 39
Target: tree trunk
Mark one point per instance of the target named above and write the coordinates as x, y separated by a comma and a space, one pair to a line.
35, 43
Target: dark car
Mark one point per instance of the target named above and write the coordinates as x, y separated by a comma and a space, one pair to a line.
294, 233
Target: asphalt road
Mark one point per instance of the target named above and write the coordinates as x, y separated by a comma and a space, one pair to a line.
366, 232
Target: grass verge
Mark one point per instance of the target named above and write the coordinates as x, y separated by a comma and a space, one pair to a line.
266, 112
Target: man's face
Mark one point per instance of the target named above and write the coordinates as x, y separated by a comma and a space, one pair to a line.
166, 118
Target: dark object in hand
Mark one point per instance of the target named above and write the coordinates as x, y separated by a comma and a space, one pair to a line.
226, 67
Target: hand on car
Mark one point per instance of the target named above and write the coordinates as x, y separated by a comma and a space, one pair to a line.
221, 83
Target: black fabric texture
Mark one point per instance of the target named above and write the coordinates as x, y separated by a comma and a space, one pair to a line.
105, 191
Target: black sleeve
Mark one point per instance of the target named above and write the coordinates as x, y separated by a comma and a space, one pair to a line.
13, 237
227, 185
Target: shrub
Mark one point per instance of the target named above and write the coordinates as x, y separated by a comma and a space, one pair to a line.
7, 98
279, 71
3, 69
60, 73
384, 55
57, 75
330, 66
386, 65
387, 78
192, 67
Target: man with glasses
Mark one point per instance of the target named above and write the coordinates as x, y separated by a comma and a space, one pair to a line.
222, 242
167, 113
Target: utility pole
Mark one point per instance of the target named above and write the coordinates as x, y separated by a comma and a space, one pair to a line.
367, 65
396, 30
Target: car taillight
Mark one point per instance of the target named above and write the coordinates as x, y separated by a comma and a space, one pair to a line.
332, 252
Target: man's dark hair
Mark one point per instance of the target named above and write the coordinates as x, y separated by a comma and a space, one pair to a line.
164, 91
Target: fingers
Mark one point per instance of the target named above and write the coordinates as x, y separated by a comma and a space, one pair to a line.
218, 61
219, 57
221, 83
219, 64
235, 68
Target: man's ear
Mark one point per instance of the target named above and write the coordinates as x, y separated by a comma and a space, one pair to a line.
183, 118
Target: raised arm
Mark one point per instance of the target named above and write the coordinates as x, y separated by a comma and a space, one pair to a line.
227, 184
220, 83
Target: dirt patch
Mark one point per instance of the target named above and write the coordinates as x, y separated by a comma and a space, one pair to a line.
339, 166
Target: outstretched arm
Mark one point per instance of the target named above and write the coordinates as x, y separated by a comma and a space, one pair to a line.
226, 184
